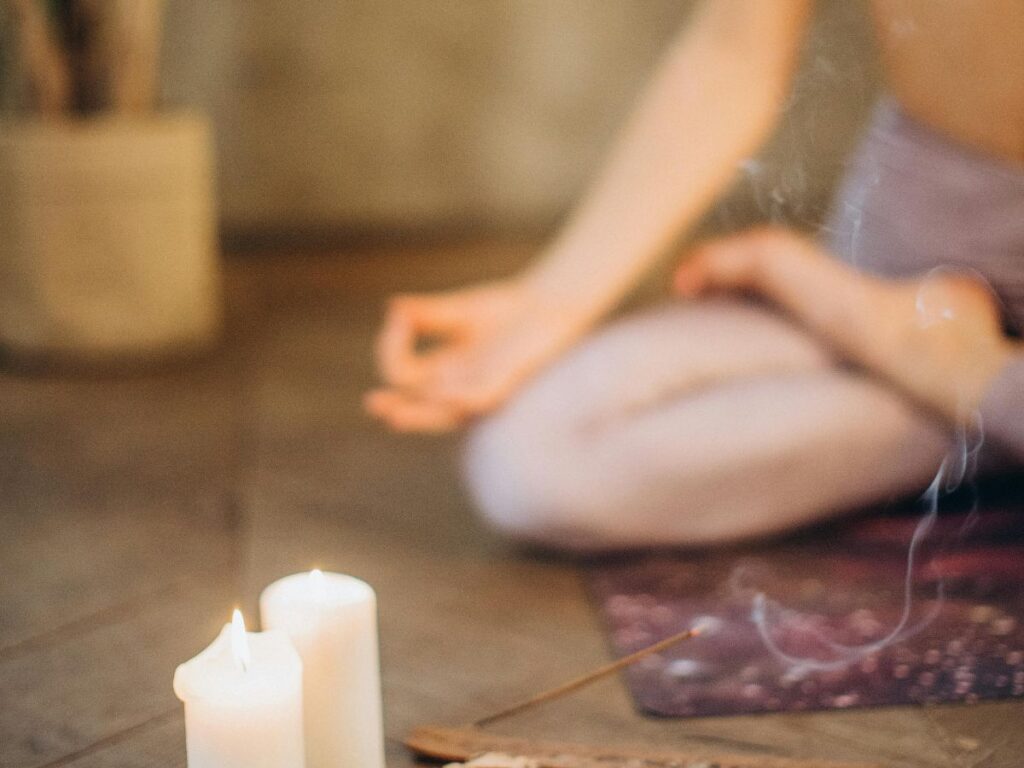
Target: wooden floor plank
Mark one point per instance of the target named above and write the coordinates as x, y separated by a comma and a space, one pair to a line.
65, 698
157, 741
72, 569
98, 477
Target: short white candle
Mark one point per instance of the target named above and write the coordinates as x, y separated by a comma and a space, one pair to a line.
332, 620
243, 701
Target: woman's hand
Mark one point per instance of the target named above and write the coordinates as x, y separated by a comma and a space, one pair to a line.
448, 357
938, 337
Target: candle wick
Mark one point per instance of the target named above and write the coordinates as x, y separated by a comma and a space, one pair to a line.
239, 641
316, 581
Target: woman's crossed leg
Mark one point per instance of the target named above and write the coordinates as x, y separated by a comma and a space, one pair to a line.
691, 424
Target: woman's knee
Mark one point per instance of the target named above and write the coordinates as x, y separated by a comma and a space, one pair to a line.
525, 485
546, 467
533, 492
753, 458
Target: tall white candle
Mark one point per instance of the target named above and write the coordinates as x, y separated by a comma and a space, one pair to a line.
332, 620
243, 701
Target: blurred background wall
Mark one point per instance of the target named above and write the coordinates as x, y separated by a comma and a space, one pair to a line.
337, 115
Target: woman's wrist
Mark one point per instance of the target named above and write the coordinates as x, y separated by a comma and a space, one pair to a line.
975, 377
567, 294
939, 338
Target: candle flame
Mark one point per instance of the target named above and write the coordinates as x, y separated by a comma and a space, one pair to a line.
318, 584
239, 641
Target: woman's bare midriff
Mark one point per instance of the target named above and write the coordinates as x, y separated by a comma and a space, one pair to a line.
958, 65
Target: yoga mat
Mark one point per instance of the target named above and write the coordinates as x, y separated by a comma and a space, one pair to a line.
830, 598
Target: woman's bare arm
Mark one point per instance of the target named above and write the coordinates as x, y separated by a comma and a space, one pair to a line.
713, 101
939, 338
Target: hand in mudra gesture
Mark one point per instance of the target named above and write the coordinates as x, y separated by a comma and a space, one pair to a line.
447, 357
937, 337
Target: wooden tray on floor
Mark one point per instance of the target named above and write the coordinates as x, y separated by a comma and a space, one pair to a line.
462, 744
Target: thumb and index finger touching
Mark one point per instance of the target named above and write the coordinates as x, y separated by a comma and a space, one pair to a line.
410, 400
410, 319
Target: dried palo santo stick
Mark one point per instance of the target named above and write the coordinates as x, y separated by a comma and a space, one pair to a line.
584, 680
42, 59
131, 36
465, 744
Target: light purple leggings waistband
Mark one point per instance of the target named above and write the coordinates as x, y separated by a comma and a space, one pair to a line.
914, 200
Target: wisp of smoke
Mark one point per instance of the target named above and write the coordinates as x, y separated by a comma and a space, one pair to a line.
843, 655
957, 467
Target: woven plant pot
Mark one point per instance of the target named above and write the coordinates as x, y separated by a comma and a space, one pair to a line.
107, 239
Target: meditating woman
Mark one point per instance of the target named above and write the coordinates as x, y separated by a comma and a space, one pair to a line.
825, 383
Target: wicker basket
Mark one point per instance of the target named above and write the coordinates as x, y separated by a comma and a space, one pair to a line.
107, 238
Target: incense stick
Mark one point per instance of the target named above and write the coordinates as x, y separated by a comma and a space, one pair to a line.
587, 679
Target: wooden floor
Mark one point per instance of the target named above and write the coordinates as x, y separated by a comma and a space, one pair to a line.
135, 512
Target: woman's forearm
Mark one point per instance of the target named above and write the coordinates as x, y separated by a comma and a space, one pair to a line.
938, 337
712, 103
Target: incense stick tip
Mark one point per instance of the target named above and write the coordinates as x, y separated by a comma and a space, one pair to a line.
705, 625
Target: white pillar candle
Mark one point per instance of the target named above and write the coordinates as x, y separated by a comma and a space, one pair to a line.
243, 701
332, 620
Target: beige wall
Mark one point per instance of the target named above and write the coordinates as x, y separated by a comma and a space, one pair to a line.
331, 113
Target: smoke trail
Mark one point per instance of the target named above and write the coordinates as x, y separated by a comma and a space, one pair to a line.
958, 467
846, 655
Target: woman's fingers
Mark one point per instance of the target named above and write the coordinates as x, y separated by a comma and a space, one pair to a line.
728, 264
448, 399
783, 267
409, 319
458, 388
480, 345
396, 345
464, 377
739, 262
406, 413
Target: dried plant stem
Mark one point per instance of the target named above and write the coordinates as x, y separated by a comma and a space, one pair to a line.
43, 61
131, 33
587, 679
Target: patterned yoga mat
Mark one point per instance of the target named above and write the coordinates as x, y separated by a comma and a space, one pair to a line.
822, 621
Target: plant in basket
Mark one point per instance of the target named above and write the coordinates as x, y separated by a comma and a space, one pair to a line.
107, 214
